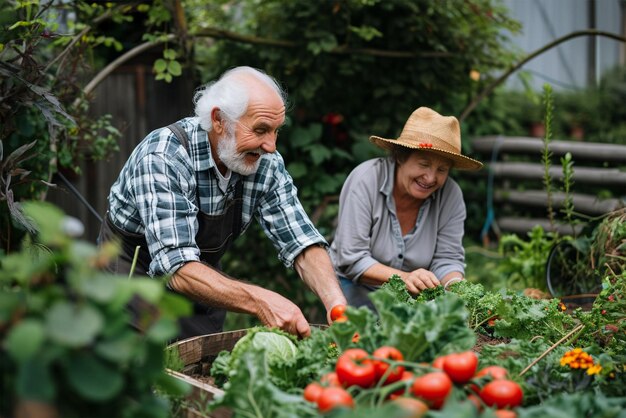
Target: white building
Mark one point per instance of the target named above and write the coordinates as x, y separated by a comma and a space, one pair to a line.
578, 62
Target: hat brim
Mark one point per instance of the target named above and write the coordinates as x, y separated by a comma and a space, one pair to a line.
460, 162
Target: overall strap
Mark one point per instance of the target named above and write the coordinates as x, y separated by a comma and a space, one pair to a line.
181, 134
238, 206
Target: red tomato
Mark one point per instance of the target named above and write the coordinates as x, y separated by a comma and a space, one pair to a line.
312, 391
381, 366
461, 367
353, 368
432, 387
330, 379
337, 311
505, 413
496, 372
438, 362
502, 394
415, 407
334, 397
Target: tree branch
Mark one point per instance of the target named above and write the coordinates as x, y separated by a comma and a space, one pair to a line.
503, 77
139, 49
342, 49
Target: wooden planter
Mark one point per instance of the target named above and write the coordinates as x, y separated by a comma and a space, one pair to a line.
195, 352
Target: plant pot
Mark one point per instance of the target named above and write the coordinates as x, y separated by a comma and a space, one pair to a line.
569, 276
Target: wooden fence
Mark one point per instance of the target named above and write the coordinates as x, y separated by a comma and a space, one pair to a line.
138, 105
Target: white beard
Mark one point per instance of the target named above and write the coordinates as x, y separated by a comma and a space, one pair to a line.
235, 161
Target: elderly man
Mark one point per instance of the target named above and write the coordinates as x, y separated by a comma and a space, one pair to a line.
189, 189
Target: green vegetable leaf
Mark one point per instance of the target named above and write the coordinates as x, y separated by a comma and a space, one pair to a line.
73, 325
92, 378
25, 339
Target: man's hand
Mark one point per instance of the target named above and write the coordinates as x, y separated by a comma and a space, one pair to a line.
276, 311
418, 280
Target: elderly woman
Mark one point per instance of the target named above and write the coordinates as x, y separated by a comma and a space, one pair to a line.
402, 214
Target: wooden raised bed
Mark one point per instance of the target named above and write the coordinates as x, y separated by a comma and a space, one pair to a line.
197, 354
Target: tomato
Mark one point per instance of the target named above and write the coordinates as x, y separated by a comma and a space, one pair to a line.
415, 407
337, 312
381, 367
505, 413
330, 379
502, 394
461, 367
438, 362
496, 372
334, 397
354, 368
432, 387
312, 391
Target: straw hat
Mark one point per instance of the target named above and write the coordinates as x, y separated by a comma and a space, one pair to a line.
427, 130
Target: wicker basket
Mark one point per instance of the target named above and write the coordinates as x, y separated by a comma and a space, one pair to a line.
194, 352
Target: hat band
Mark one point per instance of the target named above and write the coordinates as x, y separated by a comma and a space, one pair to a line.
431, 139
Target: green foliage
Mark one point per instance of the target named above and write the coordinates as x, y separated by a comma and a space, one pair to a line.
423, 330
40, 68
514, 315
523, 262
64, 327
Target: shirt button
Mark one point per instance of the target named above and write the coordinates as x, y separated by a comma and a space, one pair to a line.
400, 256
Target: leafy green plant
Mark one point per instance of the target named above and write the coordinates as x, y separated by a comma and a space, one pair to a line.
66, 338
523, 262
533, 340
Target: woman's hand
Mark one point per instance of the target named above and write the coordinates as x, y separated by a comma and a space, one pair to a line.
418, 280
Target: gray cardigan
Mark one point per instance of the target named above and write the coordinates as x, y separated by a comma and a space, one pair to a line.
368, 231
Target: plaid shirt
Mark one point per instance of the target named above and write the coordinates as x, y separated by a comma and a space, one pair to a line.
156, 195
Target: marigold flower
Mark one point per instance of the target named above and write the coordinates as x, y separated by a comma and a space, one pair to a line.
595, 369
578, 359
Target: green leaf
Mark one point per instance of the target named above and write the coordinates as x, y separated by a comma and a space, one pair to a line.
49, 222
160, 65
34, 381
297, 170
93, 379
169, 54
73, 325
25, 339
174, 68
120, 349
149, 289
319, 154
174, 306
100, 288
162, 330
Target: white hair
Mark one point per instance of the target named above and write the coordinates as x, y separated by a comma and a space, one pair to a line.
230, 94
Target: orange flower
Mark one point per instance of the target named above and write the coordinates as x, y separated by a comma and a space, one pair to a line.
595, 369
578, 359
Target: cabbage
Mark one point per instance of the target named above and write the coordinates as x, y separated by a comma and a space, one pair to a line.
278, 345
